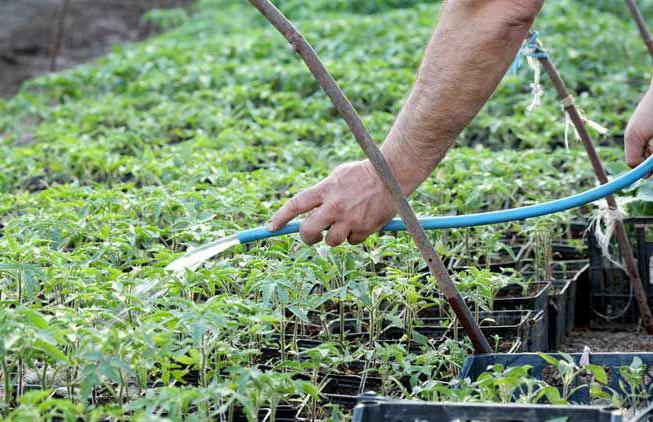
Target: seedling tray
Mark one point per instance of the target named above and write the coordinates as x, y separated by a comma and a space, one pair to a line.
506, 344
528, 326
644, 249
610, 286
474, 366
372, 408
558, 313
510, 298
566, 251
612, 301
578, 274
563, 271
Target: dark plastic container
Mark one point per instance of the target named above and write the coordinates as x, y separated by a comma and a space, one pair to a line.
372, 408
644, 249
537, 299
561, 273
578, 274
474, 366
527, 326
567, 251
612, 301
510, 298
611, 298
558, 303
538, 336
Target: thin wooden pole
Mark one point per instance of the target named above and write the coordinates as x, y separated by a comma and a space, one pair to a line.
349, 114
58, 35
641, 25
625, 248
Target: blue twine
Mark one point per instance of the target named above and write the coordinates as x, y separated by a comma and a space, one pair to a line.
533, 49
529, 48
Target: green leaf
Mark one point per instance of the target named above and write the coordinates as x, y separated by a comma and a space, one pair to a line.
299, 313
553, 395
35, 396
52, 351
549, 359
186, 360
419, 338
636, 364
310, 389
34, 318
599, 373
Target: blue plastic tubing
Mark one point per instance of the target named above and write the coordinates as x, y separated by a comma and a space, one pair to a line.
492, 217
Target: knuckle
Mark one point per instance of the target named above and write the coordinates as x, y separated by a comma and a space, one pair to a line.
629, 134
342, 170
306, 239
306, 230
633, 132
342, 167
334, 207
365, 228
294, 204
339, 168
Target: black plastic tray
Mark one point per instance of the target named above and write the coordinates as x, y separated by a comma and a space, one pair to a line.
372, 408
474, 366
558, 310
536, 301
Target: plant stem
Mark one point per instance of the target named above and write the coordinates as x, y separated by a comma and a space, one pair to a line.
203, 374
341, 310
282, 341
44, 375
19, 380
5, 373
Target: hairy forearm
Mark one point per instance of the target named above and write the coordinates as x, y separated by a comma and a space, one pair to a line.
468, 54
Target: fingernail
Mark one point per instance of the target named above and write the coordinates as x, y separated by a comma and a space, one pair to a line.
271, 227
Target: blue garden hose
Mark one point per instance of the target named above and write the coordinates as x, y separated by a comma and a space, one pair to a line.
493, 217
196, 256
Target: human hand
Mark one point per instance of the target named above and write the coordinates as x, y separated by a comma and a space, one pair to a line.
351, 204
640, 131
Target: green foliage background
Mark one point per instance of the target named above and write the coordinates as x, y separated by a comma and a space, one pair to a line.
110, 170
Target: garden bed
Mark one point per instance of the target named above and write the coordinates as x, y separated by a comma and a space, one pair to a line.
112, 170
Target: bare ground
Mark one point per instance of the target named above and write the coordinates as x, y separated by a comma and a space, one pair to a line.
608, 341
91, 27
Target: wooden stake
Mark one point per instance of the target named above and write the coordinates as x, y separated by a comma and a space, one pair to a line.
625, 248
58, 35
347, 111
641, 25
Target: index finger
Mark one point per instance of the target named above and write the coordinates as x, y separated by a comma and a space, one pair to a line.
302, 202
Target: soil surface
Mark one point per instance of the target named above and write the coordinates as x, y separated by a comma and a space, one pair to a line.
608, 341
91, 27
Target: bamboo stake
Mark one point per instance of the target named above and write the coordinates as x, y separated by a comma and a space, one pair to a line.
347, 111
641, 25
625, 248
58, 35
